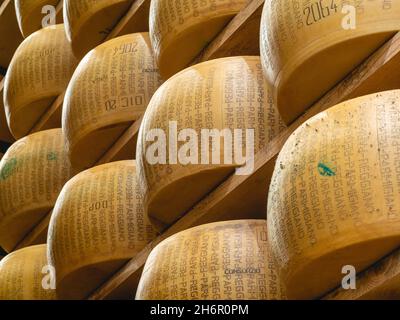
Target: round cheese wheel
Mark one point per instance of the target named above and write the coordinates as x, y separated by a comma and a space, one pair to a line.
219, 261
32, 173
39, 71
97, 225
29, 14
109, 90
25, 275
179, 30
333, 198
225, 95
307, 48
88, 22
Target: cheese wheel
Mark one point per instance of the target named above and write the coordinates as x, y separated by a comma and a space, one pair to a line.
39, 71
306, 49
97, 225
25, 275
88, 22
179, 30
225, 94
109, 90
333, 199
30, 16
32, 173
218, 261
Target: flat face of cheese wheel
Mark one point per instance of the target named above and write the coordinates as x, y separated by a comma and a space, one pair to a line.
334, 197
308, 47
32, 173
30, 15
24, 275
179, 30
224, 95
88, 22
97, 225
219, 261
39, 71
109, 90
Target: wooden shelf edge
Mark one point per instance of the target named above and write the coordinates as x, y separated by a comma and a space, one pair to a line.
360, 81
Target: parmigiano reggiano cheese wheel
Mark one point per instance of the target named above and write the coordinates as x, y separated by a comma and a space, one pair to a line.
179, 30
308, 47
30, 15
39, 71
97, 225
110, 89
219, 261
88, 22
32, 173
228, 93
334, 198
21, 276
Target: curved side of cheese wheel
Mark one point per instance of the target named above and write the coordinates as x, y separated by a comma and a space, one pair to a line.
228, 93
21, 276
109, 90
39, 71
301, 64
29, 14
333, 198
219, 261
180, 30
88, 22
32, 173
97, 225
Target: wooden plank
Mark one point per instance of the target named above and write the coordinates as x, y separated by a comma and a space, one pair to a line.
239, 36
244, 196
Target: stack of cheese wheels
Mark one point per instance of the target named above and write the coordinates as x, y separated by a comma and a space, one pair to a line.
88, 22
109, 90
30, 14
219, 261
97, 225
179, 30
225, 96
334, 198
39, 71
32, 173
25, 275
301, 63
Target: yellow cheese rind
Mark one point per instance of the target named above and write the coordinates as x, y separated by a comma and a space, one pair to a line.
228, 93
39, 71
179, 30
23, 273
333, 198
306, 50
218, 261
29, 14
109, 90
32, 173
88, 22
97, 225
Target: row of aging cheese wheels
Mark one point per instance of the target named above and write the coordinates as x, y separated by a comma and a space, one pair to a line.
334, 195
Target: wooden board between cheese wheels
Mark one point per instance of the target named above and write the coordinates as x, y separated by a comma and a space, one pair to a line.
22, 276
40, 71
333, 198
88, 22
98, 224
224, 95
109, 90
220, 261
179, 30
32, 173
307, 49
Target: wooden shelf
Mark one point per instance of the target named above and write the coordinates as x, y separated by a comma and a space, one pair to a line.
244, 196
